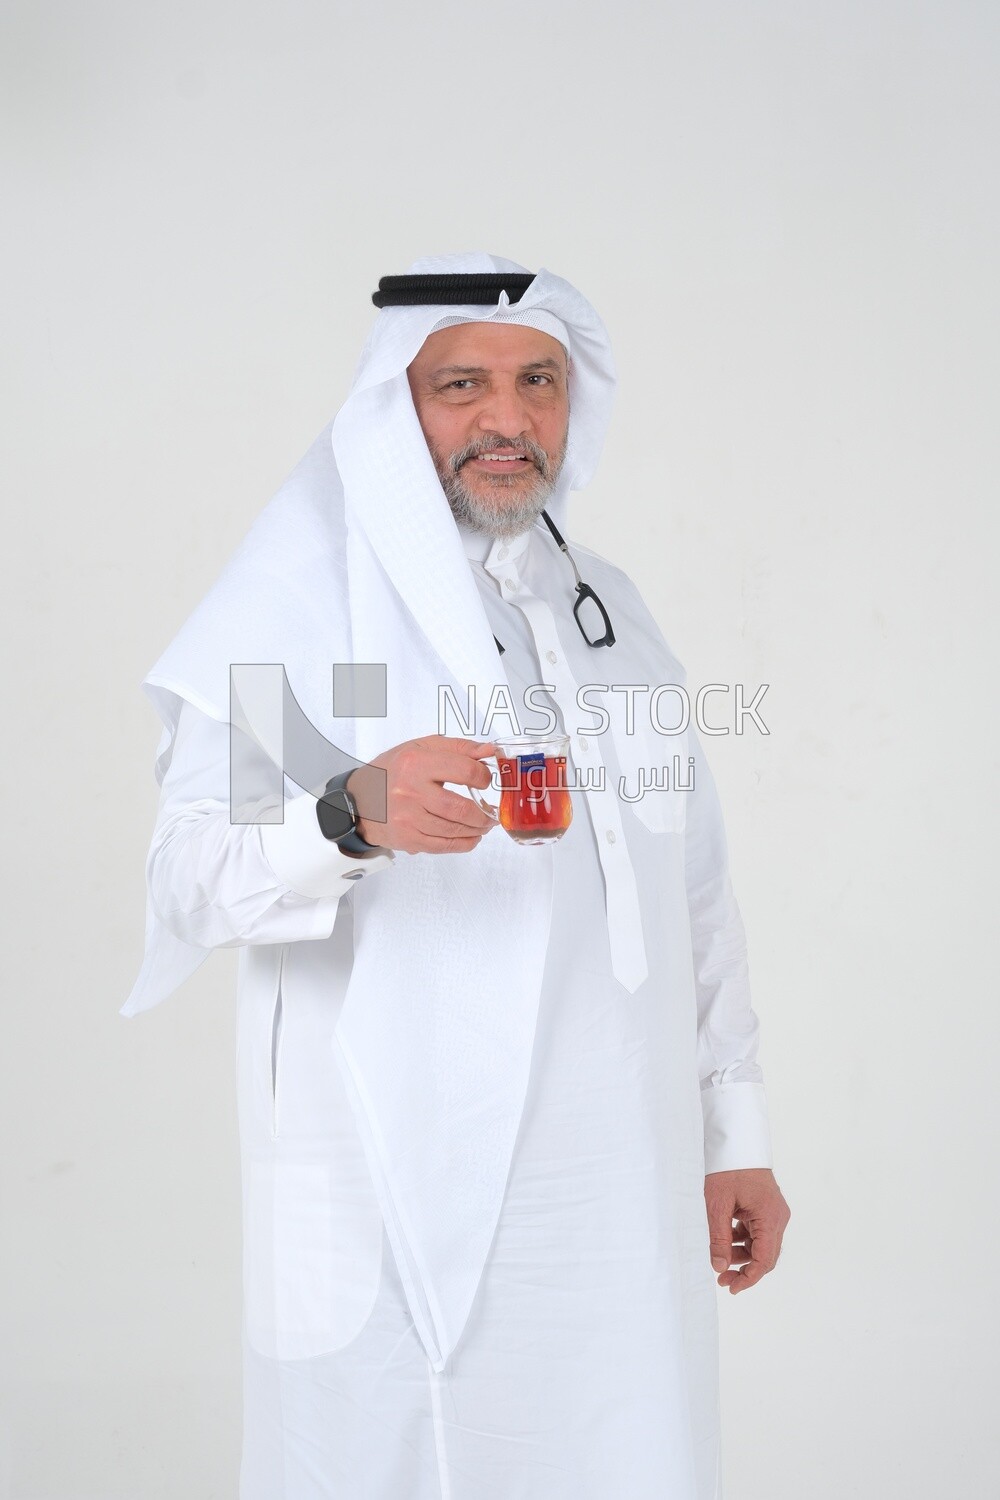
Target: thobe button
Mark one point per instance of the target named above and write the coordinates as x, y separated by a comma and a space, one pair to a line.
584, 745
551, 656
502, 554
610, 835
509, 583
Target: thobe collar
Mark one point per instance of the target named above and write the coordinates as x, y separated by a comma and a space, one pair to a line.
490, 551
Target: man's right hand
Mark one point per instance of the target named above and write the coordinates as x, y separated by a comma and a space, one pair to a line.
422, 816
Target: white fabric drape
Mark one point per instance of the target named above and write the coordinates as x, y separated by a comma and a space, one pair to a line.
358, 559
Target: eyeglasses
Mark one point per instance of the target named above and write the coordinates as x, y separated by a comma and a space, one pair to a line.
588, 605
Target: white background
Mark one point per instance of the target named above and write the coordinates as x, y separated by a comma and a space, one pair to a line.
787, 215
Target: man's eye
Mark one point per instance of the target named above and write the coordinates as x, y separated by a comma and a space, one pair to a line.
458, 385
543, 379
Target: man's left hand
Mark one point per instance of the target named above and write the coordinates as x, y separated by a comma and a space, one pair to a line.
752, 1243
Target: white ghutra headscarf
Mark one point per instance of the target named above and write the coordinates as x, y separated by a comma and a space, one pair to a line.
358, 559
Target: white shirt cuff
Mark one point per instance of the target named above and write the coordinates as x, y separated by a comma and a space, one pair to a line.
305, 861
736, 1128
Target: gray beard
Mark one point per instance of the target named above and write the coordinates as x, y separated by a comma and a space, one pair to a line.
498, 517
495, 517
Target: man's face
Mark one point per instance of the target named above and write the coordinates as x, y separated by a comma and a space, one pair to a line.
493, 402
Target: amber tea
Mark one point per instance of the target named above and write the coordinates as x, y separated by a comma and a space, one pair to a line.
535, 804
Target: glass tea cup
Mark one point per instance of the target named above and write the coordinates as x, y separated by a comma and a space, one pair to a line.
535, 805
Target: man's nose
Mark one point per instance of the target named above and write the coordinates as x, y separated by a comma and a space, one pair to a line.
504, 411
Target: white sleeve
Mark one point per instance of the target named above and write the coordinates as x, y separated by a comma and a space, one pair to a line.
732, 1089
218, 884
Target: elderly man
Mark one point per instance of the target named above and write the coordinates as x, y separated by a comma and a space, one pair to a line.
500, 1112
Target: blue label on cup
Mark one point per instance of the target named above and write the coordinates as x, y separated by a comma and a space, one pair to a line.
531, 761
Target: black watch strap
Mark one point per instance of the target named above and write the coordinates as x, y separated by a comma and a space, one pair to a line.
337, 815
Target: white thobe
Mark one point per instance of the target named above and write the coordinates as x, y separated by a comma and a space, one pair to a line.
588, 1367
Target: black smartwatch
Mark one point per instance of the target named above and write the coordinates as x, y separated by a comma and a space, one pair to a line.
337, 815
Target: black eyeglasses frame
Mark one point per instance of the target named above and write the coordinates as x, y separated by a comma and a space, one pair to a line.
584, 591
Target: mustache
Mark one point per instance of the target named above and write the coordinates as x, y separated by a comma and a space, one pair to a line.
524, 446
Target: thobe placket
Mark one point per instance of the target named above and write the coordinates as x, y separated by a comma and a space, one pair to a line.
625, 936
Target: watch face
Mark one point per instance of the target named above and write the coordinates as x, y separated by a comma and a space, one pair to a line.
335, 814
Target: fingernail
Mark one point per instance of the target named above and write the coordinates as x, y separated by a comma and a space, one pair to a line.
718, 1264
